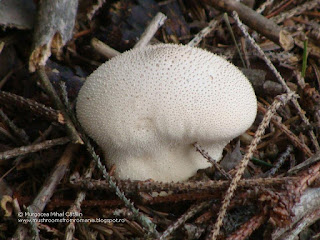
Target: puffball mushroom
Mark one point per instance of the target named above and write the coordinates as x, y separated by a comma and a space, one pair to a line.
146, 107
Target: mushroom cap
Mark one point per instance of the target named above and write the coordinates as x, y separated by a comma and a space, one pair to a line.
146, 107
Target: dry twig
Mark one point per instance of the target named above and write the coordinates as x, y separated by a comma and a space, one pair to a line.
33, 148
279, 162
191, 186
264, 5
211, 160
9, 99
152, 28
103, 49
72, 132
256, 21
76, 206
203, 33
315, 158
194, 209
19, 133
247, 228
95, 8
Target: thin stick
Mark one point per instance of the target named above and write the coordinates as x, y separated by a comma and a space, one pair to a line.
94, 8
103, 48
54, 231
19, 159
203, 33
72, 132
33, 148
38, 109
194, 209
247, 228
199, 186
307, 163
151, 30
279, 101
264, 5
20, 134
76, 206
33, 229
279, 162
212, 161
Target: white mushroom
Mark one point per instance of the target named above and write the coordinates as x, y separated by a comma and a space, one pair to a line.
146, 107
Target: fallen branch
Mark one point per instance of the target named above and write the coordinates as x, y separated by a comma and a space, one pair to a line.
152, 28
33, 148
256, 21
208, 186
9, 99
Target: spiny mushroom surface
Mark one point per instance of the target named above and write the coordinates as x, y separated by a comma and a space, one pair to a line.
146, 107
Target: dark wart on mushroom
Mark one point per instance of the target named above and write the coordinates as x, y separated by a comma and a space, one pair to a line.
146, 107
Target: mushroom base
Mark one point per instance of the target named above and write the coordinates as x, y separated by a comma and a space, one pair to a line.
173, 163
